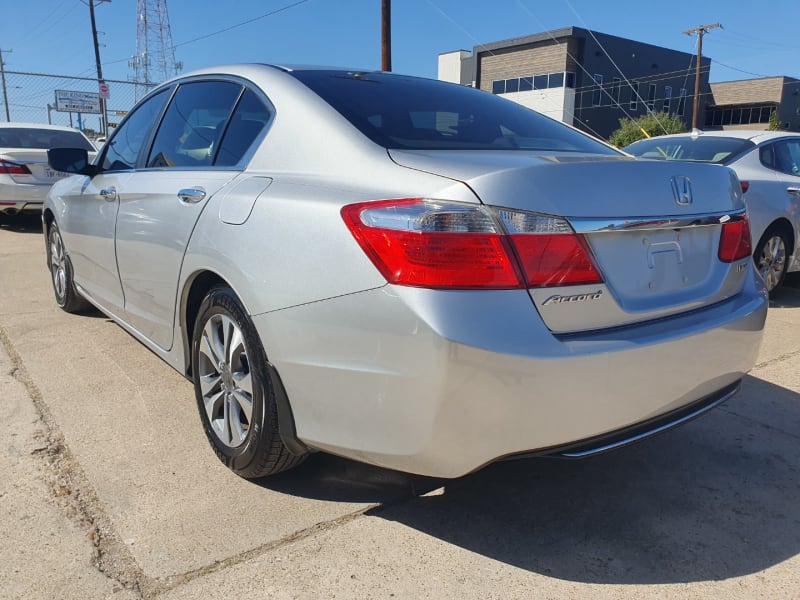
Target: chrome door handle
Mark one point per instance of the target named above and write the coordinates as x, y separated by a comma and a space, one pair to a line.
793, 190
192, 195
109, 193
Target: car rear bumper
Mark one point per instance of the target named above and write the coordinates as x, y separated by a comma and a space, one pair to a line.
442, 383
20, 197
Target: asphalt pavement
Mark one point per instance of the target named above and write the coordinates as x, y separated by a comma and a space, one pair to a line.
110, 489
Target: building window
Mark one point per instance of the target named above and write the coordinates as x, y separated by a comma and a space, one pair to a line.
651, 97
634, 105
616, 89
525, 84
512, 85
667, 98
540, 82
570, 80
555, 80
499, 86
597, 95
681, 102
717, 116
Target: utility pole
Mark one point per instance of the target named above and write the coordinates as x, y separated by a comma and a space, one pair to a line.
5, 91
386, 35
700, 31
100, 81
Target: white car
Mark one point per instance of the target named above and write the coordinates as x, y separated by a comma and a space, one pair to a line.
768, 165
25, 176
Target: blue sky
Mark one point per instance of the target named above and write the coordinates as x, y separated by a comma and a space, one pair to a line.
54, 36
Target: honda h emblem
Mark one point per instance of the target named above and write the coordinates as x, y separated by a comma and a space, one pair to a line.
681, 189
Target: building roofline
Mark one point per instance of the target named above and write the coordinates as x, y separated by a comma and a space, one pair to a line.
528, 39
566, 32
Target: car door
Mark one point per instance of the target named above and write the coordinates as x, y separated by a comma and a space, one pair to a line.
88, 220
161, 202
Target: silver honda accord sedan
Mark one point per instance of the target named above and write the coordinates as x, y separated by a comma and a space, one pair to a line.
405, 272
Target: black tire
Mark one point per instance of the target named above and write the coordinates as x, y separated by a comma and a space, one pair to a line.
249, 445
67, 297
771, 257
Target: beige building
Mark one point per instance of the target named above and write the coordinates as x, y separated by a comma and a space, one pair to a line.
748, 103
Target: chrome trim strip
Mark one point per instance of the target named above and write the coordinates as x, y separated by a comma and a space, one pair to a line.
595, 225
650, 432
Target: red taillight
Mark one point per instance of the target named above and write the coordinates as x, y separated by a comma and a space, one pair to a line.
437, 244
734, 242
745, 186
11, 168
550, 260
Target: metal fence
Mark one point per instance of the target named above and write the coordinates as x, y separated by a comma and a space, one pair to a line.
30, 97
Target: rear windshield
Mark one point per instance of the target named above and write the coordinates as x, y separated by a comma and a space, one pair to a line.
410, 113
719, 150
23, 137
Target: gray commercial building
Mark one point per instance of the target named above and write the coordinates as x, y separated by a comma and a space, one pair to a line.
585, 78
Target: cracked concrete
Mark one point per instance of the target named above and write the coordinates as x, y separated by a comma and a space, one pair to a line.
111, 491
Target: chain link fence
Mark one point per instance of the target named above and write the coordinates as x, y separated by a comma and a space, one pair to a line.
31, 98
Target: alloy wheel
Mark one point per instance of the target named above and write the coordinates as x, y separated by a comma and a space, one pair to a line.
226, 381
772, 261
58, 264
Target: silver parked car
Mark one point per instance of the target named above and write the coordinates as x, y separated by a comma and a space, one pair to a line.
768, 165
25, 176
406, 272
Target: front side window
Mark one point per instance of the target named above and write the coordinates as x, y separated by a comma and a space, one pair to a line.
193, 124
122, 150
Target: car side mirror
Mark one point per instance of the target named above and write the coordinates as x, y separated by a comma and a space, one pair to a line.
71, 160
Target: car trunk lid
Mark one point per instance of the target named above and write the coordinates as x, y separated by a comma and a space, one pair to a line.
34, 162
653, 228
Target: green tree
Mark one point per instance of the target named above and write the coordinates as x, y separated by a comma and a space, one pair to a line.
630, 130
774, 122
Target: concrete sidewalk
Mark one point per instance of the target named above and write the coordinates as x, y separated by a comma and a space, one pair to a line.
111, 490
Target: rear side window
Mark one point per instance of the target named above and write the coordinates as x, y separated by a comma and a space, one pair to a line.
248, 121
30, 137
193, 124
122, 150
419, 114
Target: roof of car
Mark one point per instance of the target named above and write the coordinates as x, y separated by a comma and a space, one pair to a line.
755, 136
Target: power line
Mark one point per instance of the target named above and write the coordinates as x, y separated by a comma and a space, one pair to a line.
253, 20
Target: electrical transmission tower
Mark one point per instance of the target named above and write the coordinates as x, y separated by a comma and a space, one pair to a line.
155, 54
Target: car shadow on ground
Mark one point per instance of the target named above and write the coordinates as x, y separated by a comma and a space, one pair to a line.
332, 478
715, 499
23, 223
788, 295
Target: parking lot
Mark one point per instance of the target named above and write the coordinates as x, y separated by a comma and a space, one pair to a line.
110, 489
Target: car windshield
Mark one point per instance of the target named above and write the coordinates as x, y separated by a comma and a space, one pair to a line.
410, 113
30, 137
719, 150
